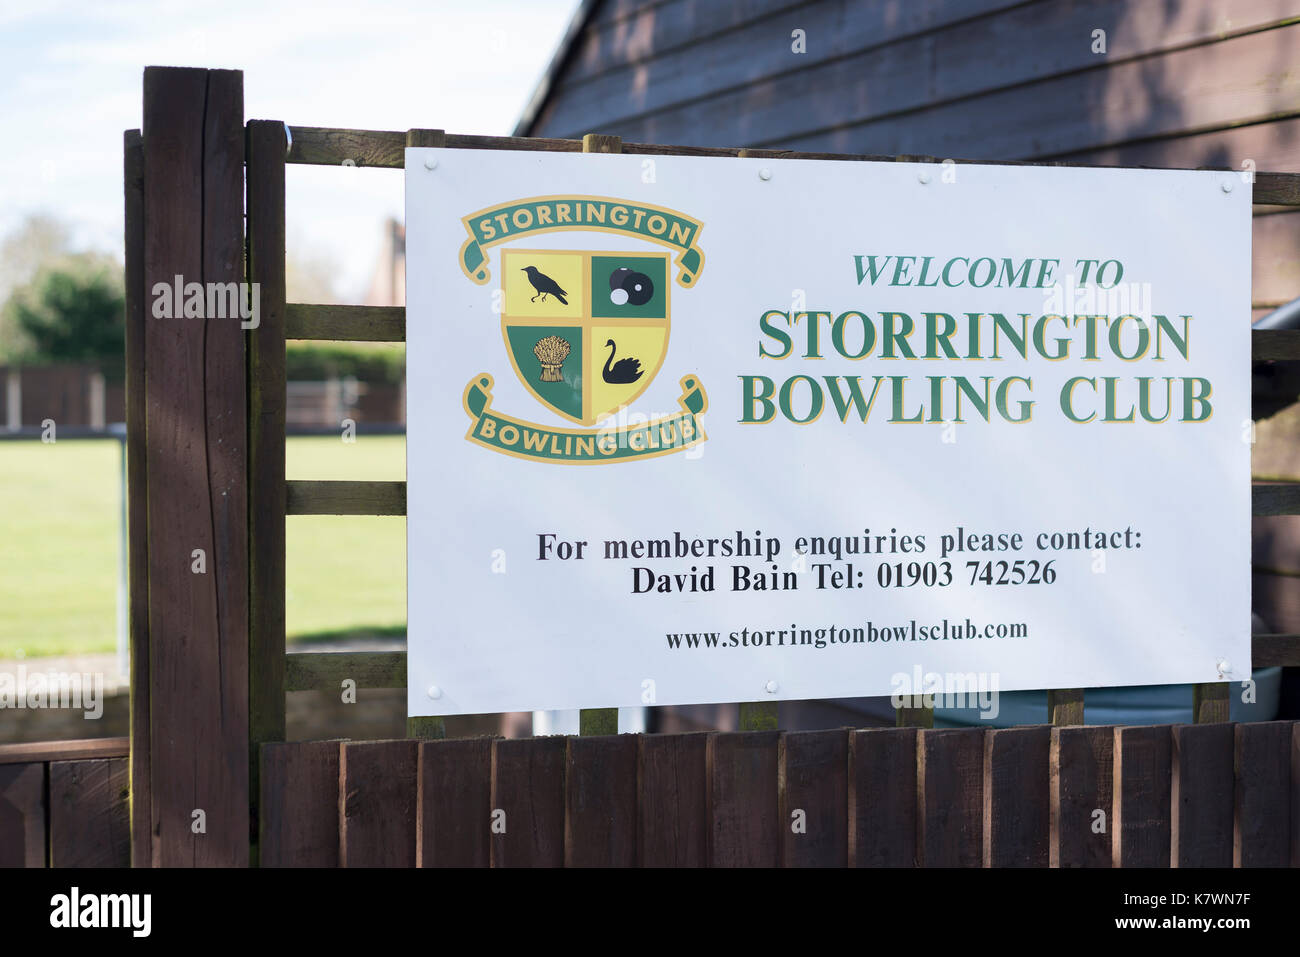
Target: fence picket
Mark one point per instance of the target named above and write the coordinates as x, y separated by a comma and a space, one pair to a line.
455, 778
950, 785
90, 822
671, 813
741, 799
1201, 796
299, 806
377, 789
812, 782
1081, 775
22, 815
600, 820
1017, 820
882, 798
1140, 830
527, 820
1262, 820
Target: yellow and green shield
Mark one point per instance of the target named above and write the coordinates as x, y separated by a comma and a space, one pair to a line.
586, 331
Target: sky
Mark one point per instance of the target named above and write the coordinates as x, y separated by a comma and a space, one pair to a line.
73, 82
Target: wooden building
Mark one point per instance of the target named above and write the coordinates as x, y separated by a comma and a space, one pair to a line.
1162, 83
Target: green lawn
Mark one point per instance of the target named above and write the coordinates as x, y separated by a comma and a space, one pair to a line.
59, 546
345, 573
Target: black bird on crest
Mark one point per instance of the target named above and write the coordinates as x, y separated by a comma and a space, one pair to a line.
544, 285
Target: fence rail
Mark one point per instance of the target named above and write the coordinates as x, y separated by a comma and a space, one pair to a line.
343, 497
386, 149
306, 320
324, 670
69, 750
311, 497
345, 323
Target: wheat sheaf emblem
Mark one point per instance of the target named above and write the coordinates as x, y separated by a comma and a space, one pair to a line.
551, 353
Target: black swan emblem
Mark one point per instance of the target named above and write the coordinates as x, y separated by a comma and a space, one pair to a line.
623, 371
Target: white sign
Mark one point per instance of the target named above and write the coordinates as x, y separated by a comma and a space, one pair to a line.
690, 430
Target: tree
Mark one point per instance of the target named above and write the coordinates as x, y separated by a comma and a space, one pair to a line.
72, 311
39, 241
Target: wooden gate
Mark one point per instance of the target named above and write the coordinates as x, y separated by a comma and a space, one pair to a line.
212, 781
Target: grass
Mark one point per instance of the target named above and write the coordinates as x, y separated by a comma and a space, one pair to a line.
345, 573
59, 547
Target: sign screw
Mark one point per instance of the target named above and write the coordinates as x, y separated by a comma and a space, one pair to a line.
765, 174
770, 687
431, 162
1227, 185
924, 177
435, 692
1224, 666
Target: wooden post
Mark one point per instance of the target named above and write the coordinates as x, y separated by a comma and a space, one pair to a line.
914, 717
137, 499
759, 716
195, 418
1065, 706
594, 721
266, 146
1210, 702
597, 721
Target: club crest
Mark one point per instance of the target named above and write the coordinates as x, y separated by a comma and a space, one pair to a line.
585, 331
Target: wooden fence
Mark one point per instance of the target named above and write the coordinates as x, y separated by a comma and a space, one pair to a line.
209, 671
71, 394
1215, 795
1020, 797
64, 804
